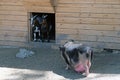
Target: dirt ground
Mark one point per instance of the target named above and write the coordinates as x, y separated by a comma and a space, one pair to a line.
47, 64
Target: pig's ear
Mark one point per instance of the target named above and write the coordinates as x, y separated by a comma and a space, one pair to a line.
61, 48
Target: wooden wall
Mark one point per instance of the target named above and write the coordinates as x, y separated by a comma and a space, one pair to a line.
13, 22
95, 22
14, 19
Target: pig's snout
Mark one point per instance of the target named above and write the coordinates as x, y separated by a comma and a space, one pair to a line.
79, 68
82, 68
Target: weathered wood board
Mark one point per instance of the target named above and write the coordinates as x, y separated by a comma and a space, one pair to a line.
95, 22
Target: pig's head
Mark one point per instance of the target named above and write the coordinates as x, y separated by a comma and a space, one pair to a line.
85, 55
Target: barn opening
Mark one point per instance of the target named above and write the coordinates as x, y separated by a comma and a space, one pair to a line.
42, 27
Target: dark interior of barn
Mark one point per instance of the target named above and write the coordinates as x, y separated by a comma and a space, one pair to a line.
51, 23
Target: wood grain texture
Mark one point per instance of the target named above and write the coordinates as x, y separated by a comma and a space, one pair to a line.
95, 22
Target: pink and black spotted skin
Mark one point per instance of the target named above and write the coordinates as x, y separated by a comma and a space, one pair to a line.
77, 56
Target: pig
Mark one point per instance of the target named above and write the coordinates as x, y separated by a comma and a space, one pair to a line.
77, 56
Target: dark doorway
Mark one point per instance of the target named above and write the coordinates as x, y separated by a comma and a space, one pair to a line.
42, 34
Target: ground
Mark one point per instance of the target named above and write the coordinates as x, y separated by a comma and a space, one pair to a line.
47, 64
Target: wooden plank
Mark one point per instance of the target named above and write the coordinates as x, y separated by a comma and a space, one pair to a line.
89, 43
65, 36
89, 15
96, 45
86, 38
13, 33
54, 3
13, 43
89, 5
109, 39
34, 3
11, 0
90, 32
13, 27
93, 44
67, 31
104, 16
40, 9
13, 17
99, 33
89, 10
101, 45
86, 26
117, 27
76, 37
111, 33
12, 38
112, 45
16, 13
98, 27
39, 6
67, 14
17, 3
12, 8
37, 0
67, 20
87, 20
38, 3
91, 1
13, 23
69, 26
103, 5
108, 21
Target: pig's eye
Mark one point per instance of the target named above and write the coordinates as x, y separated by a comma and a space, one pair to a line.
75, 56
